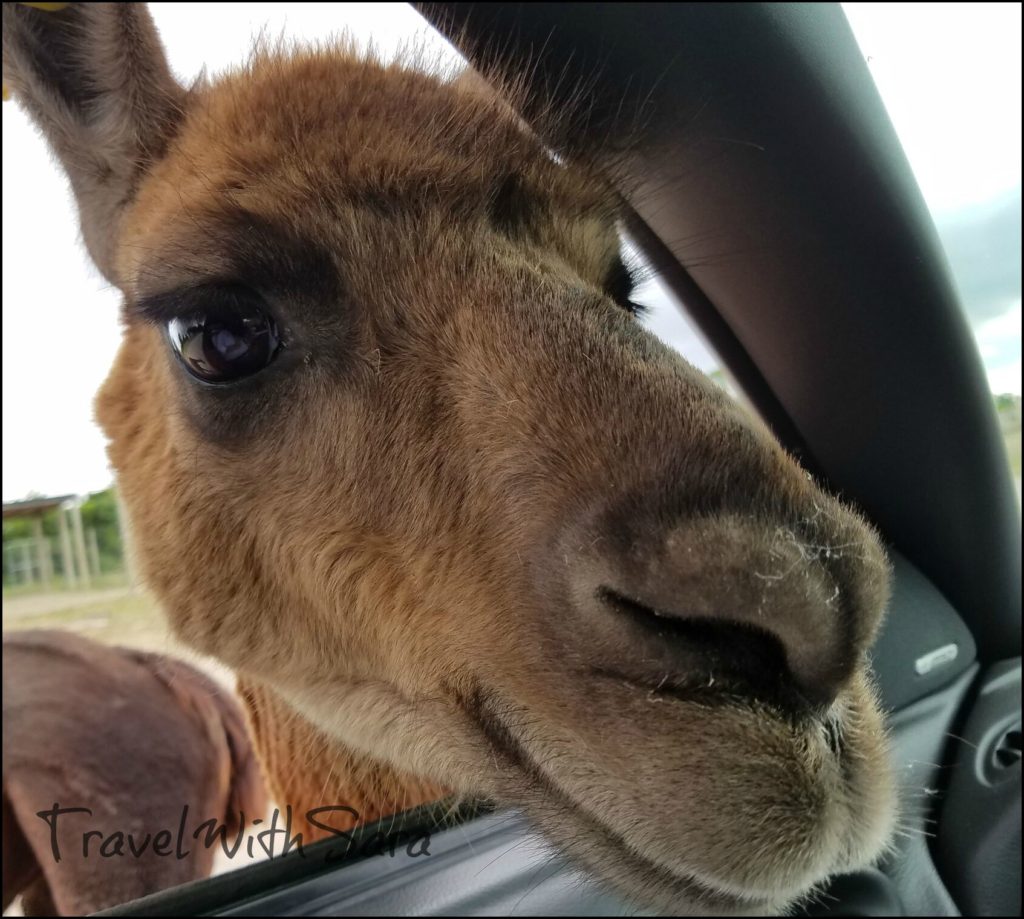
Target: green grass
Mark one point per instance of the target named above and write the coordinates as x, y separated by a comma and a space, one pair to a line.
1012, 439
1008, 409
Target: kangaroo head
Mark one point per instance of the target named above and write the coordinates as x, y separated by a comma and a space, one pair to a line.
393, 442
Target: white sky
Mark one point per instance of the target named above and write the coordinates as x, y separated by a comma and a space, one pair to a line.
950, 74
950, 77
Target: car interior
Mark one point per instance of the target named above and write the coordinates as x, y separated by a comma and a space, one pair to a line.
769, 190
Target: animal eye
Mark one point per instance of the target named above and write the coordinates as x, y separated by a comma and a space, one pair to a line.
231, 338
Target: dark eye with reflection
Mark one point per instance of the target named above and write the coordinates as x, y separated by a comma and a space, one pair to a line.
231, 337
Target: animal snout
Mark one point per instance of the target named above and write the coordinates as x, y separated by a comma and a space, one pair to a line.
731, 605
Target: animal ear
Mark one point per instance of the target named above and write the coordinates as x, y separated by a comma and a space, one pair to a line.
95, 80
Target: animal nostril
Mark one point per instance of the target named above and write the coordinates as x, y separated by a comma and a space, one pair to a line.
735, 656
751, 597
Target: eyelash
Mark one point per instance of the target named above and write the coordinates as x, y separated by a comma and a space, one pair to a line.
622, 281
637, 310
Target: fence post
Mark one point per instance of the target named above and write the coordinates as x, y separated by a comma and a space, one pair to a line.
76, 528
66, 558
94, 551
127, 554
26, 561
42, 552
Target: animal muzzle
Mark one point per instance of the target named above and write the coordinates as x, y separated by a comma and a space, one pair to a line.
727, 604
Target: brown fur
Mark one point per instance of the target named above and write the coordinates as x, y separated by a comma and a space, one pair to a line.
475, 524
306, 768
133, 736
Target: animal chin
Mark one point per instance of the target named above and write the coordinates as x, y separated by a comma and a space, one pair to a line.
595, 843
610, 856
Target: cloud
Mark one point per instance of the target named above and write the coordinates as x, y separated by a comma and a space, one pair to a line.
983, 244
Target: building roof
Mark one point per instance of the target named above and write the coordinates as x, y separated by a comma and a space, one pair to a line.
32, 506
